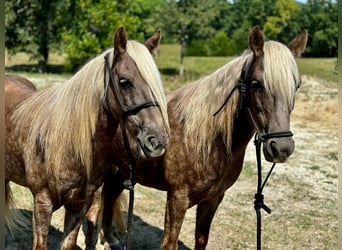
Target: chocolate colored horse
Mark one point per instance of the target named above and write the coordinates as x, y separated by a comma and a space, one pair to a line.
253, 93
58, 140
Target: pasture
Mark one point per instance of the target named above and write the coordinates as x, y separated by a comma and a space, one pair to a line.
302, 193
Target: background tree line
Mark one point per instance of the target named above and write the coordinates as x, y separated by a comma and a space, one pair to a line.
84, 28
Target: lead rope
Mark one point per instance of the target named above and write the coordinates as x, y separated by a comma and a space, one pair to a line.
125, 111
259, 197
129, 185
259, 138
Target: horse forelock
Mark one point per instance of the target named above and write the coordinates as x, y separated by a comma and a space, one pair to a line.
149, 71
281, 75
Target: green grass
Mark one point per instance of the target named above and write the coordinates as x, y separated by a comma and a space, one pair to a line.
195, 67
324, 68
168, 59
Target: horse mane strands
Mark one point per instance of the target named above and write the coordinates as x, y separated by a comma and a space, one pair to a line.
149, 71
63, 118
281, 71
200, 101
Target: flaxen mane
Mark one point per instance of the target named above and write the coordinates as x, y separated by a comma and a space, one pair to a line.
200, 99
63, 118
150, 73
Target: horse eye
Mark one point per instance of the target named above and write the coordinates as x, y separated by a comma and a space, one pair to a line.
255, 84
125, 83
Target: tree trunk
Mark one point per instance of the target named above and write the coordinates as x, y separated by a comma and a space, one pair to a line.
43, 35
182, 55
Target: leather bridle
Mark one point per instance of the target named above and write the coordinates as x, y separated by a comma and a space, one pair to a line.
260, 137
125, 112
113, 84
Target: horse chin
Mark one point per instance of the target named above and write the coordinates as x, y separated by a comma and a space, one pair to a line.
275, 159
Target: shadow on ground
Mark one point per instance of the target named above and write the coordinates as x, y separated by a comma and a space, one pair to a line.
144, 236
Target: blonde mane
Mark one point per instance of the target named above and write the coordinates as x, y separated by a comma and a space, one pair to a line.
149, 71
62, 119
195, 103
281, 73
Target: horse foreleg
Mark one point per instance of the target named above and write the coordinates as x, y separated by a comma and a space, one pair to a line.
91, 235
112, 189
41, 219
72, 224
204, 216
174, 215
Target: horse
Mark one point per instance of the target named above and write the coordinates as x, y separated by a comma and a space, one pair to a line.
58, 140
252, 94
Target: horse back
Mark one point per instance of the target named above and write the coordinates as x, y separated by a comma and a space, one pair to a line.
17, 89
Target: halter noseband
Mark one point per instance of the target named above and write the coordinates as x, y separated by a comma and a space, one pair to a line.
125, 112
259, 138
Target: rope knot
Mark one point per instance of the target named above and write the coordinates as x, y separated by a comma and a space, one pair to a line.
259, 203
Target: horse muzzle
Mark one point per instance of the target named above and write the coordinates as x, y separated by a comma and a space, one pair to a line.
151, 145
277, 150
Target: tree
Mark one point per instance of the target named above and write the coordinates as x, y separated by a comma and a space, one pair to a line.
247, 14
80, 28
187, 20
319, 17
89, 25
280, 19
31, 26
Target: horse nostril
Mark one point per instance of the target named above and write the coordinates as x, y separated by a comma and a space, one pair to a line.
274, 148
153, 143
285, 151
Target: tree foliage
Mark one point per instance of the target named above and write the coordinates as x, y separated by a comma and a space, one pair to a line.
187, 20
83, 28
32, 27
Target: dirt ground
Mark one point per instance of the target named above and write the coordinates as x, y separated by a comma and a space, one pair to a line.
302, 193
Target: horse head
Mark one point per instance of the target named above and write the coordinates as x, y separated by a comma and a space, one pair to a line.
135, 95
271, 80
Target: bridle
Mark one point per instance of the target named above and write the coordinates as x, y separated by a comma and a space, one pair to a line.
125, 112
260, 138
113, 84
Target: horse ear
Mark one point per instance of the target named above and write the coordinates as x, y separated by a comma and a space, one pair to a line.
120, 42
298, 44
256, 41
152, 43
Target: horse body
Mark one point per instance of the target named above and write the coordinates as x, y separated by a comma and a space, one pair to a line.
58, 139
17, 89
205, 154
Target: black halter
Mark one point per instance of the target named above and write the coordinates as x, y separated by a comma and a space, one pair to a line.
125, 112
113, 84
260, 137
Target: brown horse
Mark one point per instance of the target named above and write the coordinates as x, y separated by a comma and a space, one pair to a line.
205, 155
58, 140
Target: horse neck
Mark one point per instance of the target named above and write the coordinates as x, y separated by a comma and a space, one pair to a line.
194, 104
242, 132
107, 127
